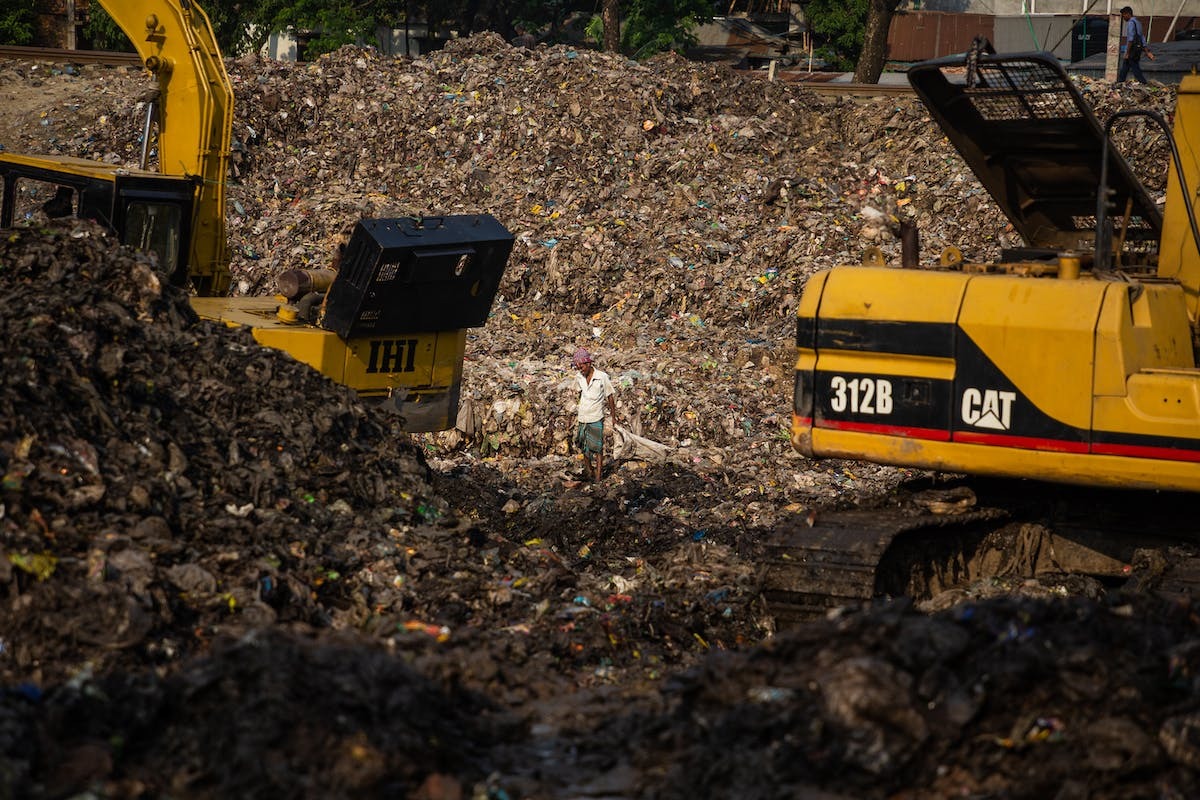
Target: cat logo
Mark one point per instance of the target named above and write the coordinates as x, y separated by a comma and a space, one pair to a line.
988, 408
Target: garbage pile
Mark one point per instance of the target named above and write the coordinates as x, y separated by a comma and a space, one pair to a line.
667, 213
270, 711
224, 576
149, 487
1008, 698
168, 483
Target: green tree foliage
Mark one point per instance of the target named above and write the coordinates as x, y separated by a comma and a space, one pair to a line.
647, 26
854, 33
594, 30
16, 22
840, 25
324, 25
655, 26
100, 32
237, 25
231, 25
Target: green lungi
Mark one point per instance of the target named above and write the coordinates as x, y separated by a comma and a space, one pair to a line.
589, 437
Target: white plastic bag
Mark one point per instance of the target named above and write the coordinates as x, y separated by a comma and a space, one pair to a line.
628, 444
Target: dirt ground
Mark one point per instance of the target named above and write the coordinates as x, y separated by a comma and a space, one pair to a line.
224, 576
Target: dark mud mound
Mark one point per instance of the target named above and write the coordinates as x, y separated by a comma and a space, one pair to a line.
168, 480
303, 718
162, 476
1003, 699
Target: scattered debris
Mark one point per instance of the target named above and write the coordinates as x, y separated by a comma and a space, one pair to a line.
195, 530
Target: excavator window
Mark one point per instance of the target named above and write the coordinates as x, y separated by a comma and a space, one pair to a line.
36, 200
155, 228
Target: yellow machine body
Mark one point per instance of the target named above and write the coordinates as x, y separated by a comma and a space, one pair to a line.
419, 374
1027, 368
396, 331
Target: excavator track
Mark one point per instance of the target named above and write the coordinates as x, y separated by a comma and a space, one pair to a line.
835, 561
921, 544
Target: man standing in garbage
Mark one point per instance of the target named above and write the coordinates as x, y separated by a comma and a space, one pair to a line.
1135, 47
595, 393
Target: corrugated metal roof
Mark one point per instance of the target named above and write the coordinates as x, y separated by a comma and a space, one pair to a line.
734, 38
736, 31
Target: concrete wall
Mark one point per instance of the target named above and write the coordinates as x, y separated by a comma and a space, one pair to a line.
279, 46
1017, 34
389, 42
1000, 8
918, 35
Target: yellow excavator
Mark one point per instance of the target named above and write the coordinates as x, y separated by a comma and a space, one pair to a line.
1073, 359
389, 322
1070, 361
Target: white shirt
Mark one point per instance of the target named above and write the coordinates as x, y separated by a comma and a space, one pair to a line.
593, 394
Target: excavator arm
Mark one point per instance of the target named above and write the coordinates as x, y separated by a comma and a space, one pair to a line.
194, 112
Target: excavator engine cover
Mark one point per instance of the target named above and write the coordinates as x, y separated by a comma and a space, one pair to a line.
417, 274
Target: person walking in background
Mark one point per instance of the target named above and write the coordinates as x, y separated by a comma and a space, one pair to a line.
1135, 46
595, 394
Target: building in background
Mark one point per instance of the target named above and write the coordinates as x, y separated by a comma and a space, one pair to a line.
942, 27
757, 34
741, 42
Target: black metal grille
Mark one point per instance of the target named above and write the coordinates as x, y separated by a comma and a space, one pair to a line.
1018, 90
1136, 223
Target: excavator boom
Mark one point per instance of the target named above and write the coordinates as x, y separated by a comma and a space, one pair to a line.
182, 216
194, 111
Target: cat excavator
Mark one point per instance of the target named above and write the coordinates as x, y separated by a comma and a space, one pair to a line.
1071, 360
390, 322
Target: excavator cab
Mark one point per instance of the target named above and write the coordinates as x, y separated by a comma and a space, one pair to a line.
1069, 360
150, 212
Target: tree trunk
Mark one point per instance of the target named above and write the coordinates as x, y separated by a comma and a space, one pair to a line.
874, 51
481, 15
611, 15
466, 21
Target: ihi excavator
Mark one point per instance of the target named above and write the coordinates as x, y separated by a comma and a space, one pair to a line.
390, 322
